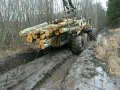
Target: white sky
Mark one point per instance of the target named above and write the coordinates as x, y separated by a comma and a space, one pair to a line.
104, 3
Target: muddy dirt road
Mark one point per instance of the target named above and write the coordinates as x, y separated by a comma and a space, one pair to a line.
57, 70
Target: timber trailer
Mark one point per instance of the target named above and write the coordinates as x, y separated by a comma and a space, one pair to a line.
77, 32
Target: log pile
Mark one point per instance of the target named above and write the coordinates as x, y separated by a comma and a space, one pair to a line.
49, 34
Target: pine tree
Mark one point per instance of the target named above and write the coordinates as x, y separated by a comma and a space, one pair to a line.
113, 11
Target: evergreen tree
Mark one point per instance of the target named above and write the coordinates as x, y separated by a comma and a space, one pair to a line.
113, 11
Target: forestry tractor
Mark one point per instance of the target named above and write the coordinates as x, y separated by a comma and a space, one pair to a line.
72, 30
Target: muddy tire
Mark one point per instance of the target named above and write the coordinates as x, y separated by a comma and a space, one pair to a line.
92, 35
85, 40
76, 45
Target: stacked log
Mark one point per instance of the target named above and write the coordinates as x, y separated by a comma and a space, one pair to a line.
23, 32
46, 35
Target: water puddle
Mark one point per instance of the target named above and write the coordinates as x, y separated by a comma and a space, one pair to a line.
101, 81
99, 38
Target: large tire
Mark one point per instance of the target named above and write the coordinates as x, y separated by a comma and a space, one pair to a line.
92, 35
85, 40
76, 45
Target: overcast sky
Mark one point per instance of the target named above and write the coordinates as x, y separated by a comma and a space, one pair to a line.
104, 4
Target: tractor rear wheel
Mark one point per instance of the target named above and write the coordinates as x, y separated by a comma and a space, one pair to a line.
76, 45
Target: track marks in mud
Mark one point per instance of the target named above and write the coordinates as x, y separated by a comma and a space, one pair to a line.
29, 75
56, 78
82, 70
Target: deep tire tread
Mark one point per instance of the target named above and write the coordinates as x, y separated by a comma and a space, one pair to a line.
92, 35
76, 45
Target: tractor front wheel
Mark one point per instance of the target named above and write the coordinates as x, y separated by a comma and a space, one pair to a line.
92, 35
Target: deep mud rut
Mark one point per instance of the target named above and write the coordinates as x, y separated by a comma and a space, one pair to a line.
56, 79
57, 70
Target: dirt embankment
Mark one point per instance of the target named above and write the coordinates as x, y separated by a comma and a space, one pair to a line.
108, 50
9, 62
